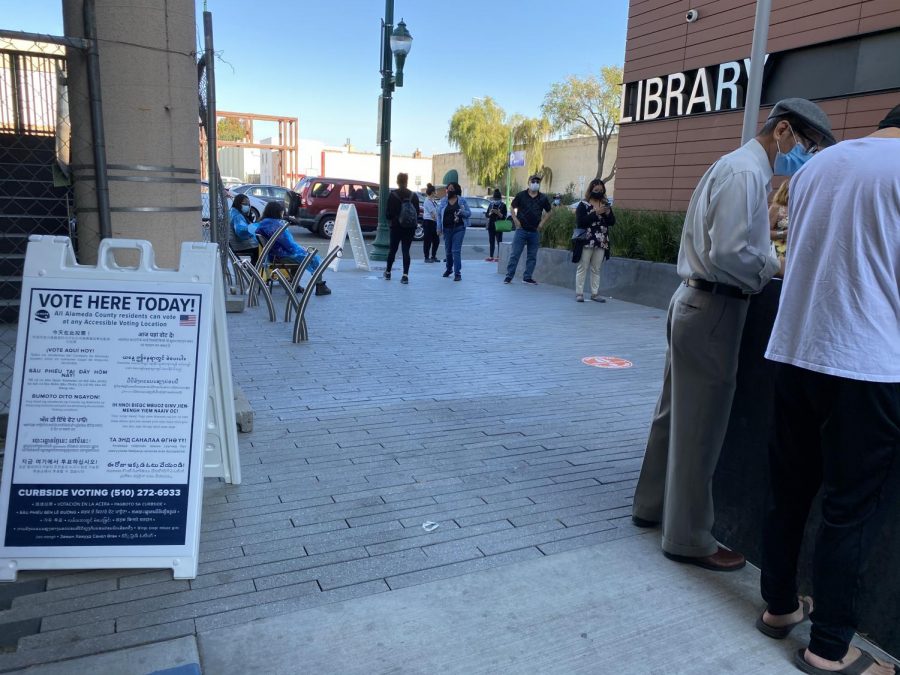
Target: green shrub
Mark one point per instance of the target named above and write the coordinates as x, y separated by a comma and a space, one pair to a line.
647, 235
557, 232
641, 235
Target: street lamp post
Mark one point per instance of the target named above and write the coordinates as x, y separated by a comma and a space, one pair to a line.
397, 42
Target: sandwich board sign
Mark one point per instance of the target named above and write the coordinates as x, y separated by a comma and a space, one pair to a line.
346, 224
109, 429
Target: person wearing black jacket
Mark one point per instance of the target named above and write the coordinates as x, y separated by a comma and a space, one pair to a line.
400, 233
590, 241
496, 210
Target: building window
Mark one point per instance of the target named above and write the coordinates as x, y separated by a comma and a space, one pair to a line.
860, 65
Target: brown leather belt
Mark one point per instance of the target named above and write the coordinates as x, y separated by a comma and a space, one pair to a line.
717, 289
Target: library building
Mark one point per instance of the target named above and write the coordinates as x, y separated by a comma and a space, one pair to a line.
686, 70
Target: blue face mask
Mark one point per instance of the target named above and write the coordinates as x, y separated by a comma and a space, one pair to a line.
788, 164
245, 209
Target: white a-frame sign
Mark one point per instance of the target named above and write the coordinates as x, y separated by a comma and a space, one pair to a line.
121, 399
346, 224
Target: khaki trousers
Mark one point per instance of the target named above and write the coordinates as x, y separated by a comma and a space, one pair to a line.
590, 258
691, 418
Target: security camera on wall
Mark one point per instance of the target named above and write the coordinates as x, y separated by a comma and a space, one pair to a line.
692, 15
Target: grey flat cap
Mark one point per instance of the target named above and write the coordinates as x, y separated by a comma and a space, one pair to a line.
809, 112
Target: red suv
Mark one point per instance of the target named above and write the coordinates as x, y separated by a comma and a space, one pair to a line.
320, 198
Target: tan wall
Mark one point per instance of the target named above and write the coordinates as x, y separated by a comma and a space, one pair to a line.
660, 162
573, 160
150, 116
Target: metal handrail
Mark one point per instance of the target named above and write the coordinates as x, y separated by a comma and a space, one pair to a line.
257, 279
291, 286
301, 334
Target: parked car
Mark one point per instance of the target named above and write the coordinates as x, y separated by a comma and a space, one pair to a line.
321, 196
479, 207
268, 193
231, 181
257, 205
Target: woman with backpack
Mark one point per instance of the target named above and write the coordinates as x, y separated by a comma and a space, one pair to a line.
403, 214
453, 218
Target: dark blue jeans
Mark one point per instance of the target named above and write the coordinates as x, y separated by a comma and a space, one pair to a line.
521, 239
453, 240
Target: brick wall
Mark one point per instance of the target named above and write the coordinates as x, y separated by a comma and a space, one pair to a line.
660, 162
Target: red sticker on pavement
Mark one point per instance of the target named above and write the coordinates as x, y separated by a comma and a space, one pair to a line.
606, 362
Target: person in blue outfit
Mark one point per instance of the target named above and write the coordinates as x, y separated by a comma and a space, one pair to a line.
241, 237
453, 218
285, 247
531, 208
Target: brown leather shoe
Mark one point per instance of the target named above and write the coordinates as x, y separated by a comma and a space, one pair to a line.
722, 560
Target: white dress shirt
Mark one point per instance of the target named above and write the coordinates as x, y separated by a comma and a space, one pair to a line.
726, 228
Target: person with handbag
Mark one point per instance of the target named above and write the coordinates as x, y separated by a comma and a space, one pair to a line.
590, 240
496, 211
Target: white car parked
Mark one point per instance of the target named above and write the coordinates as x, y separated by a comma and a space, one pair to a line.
257, 205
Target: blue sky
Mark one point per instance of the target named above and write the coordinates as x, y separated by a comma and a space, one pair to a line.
318, 61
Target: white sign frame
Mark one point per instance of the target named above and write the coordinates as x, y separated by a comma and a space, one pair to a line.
346, 224
50, 264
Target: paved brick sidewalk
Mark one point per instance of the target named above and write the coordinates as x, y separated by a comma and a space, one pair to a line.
465, 404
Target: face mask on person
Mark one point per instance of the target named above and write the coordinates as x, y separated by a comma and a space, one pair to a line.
451, 193
245, 209
787, 164
534, 187
597, 194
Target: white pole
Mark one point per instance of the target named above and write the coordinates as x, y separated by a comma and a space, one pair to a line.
757, 64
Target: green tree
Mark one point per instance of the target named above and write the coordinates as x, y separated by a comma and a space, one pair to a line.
529, 134
230, 129
587, 104
480, 132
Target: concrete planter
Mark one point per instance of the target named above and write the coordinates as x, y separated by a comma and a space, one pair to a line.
638, 281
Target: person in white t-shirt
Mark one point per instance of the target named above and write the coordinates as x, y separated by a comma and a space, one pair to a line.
836, 341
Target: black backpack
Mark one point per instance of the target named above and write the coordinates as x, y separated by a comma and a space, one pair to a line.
409, 215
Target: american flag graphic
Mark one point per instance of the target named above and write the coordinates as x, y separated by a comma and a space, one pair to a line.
188, 320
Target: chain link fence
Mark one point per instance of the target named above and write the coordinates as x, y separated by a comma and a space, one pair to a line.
36, 195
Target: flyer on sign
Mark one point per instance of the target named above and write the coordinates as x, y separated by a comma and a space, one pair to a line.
103, 431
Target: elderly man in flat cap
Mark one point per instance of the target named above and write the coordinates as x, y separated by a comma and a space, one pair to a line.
836, 344
724, 258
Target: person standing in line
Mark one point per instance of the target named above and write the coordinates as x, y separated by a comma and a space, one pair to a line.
429, 224
836, 345
453, 218
241, 238
531, 208
593, 218
725, 255
778, 219
496, 210
402, 212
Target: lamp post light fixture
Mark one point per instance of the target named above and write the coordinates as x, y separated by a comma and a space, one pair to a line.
396, 41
